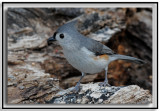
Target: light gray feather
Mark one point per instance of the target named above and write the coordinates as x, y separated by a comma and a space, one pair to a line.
128, 58
96, 47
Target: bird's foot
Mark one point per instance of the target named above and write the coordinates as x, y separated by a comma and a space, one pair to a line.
76, 88
104, 84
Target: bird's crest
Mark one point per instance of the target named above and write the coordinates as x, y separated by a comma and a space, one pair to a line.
69, 26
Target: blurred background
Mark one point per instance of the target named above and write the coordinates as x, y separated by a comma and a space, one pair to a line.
37, 71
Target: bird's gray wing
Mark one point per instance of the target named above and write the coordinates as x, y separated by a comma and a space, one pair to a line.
97, 48
94, 46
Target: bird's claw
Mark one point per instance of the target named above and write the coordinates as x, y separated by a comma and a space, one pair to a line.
76, 88
104, 84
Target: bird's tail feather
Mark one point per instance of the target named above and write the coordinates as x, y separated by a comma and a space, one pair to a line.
128, 58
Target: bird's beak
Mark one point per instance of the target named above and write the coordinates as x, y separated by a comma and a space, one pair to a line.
50, 40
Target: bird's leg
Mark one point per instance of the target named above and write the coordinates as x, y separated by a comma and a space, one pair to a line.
105, 83
77, 87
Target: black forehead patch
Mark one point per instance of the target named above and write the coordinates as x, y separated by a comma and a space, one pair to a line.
54, 35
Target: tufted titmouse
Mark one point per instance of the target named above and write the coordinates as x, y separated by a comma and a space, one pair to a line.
85, 54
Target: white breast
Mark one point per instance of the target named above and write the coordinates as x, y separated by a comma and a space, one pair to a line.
84, 61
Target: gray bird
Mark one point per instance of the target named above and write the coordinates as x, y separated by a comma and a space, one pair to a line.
85, 54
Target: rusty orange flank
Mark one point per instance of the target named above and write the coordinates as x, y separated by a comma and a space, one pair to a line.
106, 57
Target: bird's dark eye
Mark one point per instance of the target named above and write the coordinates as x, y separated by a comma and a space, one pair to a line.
61, 36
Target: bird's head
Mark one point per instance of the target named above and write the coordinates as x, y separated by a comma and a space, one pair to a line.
66, 35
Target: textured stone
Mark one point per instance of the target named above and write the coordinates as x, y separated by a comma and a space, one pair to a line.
94, 94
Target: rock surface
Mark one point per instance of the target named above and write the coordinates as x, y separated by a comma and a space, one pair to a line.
94, 94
